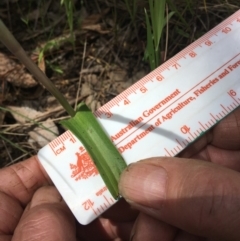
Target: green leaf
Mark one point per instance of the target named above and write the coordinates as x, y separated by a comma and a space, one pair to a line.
103, 152
150, 50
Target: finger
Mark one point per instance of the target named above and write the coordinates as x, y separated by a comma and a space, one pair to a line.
225, 135
121, 212
105, 229
5, 237
199, 197
46, 218
10, 213
115, 223
148, 228
226, 158
183, 236
21, 180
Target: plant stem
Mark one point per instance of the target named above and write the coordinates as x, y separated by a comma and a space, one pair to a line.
12, 44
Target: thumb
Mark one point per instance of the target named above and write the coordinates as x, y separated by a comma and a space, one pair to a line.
196, 196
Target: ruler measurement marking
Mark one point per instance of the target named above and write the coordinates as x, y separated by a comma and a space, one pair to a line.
208, 35
220, 114
202, 125
174, 102
191, 135
224, 108
94, 211
213, 117
179, 143
232, 94
223, 113
201, 46
184, 144
167, 151
200, 130
106, 200
234, 104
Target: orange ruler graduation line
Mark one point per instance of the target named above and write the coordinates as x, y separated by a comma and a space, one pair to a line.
160, 115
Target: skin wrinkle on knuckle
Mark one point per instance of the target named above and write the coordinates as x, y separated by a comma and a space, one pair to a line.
183, 187
192, 196
32, 227
47, 194
4, 228
19, 180
213, 202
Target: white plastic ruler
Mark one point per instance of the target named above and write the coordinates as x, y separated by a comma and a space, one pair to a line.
160, 115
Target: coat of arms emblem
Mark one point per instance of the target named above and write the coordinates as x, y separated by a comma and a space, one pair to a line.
84, 167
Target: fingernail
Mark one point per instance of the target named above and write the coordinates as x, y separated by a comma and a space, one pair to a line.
143, 184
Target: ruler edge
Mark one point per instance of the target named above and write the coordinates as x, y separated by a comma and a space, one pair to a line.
106, 107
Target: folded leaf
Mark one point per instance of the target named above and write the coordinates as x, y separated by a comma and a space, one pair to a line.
103, 152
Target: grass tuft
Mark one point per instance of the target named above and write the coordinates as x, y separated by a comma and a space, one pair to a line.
155, 22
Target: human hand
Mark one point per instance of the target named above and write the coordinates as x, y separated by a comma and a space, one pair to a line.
32, 209
189, 199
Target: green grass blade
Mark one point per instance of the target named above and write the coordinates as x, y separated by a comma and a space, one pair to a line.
158, 21
29, 119
103, 152
12, 144
150, 50
173, 7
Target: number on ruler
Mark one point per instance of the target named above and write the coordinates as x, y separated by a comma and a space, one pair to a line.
192, 54
126, 102
232, 93
72, 140
87, 204
143, 89
226, 30
208, 43
108, 114
159, 77
176, 65
185, 129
